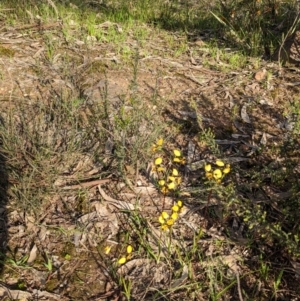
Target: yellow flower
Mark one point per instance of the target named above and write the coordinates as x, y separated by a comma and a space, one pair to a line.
226, 169
175, 208
161, 182
177, 160
174, 216
175, 172
217, 174
178, 180
129, 249
207, 167
171, 186
158, 161
209, 175
158, 145
160, 168
177, 152
160, 142
122, 260
164, 190
107, 249
220, 163
172, 179
170, 222
164, 227
165, 215
161, 220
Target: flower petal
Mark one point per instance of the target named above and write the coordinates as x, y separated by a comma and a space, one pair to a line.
129, 249
217, 174
220, 163
164, 227
172, 179
161, 182
177, 152
175, 208
226, 169
171, 185
160, 142
107, 249
170, 222
165, 215
122, 260
174, 216
207, 167
179, 203
175, 172
158, 161
161, 220
209, 175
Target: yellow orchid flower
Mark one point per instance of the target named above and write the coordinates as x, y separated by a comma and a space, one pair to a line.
217, 174
175, 208
161, 182
174, 216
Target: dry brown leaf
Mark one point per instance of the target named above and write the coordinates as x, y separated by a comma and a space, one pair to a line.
116, 203
30, 222
296, 266
191, 152
184, 276
129, 265
253, 88
106, 217
244, 114
144, 190
263, 139
225, 141
15, 294
33, 254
